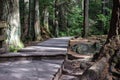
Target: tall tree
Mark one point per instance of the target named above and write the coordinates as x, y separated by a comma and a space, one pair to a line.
1, 9
56, 29
37, 21
46, 16
86, 19
107, 66
24, 18
31, 29
105, 5
11, 16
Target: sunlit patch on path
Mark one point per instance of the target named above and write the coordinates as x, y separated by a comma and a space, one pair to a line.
34, 68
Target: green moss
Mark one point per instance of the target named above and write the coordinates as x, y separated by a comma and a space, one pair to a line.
15, 48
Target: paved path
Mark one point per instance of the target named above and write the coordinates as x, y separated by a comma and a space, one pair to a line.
34, 69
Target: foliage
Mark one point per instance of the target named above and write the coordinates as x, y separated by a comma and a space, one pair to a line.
74, 16
101, 25
75, 21
98, 22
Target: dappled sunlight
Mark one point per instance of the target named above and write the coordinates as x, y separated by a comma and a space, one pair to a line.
49, 45
42, 48
19, 76
22, 62
63, 38
37, 67
23, 70
5, 64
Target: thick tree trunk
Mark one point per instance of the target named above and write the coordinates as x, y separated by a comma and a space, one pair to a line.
11, 16
107, 66
115, 20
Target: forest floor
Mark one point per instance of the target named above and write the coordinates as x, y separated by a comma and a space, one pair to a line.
79, 55
53, 59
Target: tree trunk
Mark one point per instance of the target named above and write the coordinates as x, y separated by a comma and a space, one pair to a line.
22, 17
86, 19
82, 4
62, 18
56, 19
11, 16
24, 9
109, 54
37, 21
104, 11
46, 16
105, 5
31, 30
1, 9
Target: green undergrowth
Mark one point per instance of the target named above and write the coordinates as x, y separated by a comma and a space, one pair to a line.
15, 48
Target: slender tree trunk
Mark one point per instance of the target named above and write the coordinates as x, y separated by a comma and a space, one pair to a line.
105, 5
82, 4
86, 19
63, 19
56, 19
24, 9
46, 16
22, 17
1, 9
105, 13
31, 30
11, 16
37, 21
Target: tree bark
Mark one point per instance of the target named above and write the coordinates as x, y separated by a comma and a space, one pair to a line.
56, 31
12, 17
37, 21
46, 16
24, 15
86, 19
31, 29
1, 9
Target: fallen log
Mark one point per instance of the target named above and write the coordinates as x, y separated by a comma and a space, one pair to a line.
96, 71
